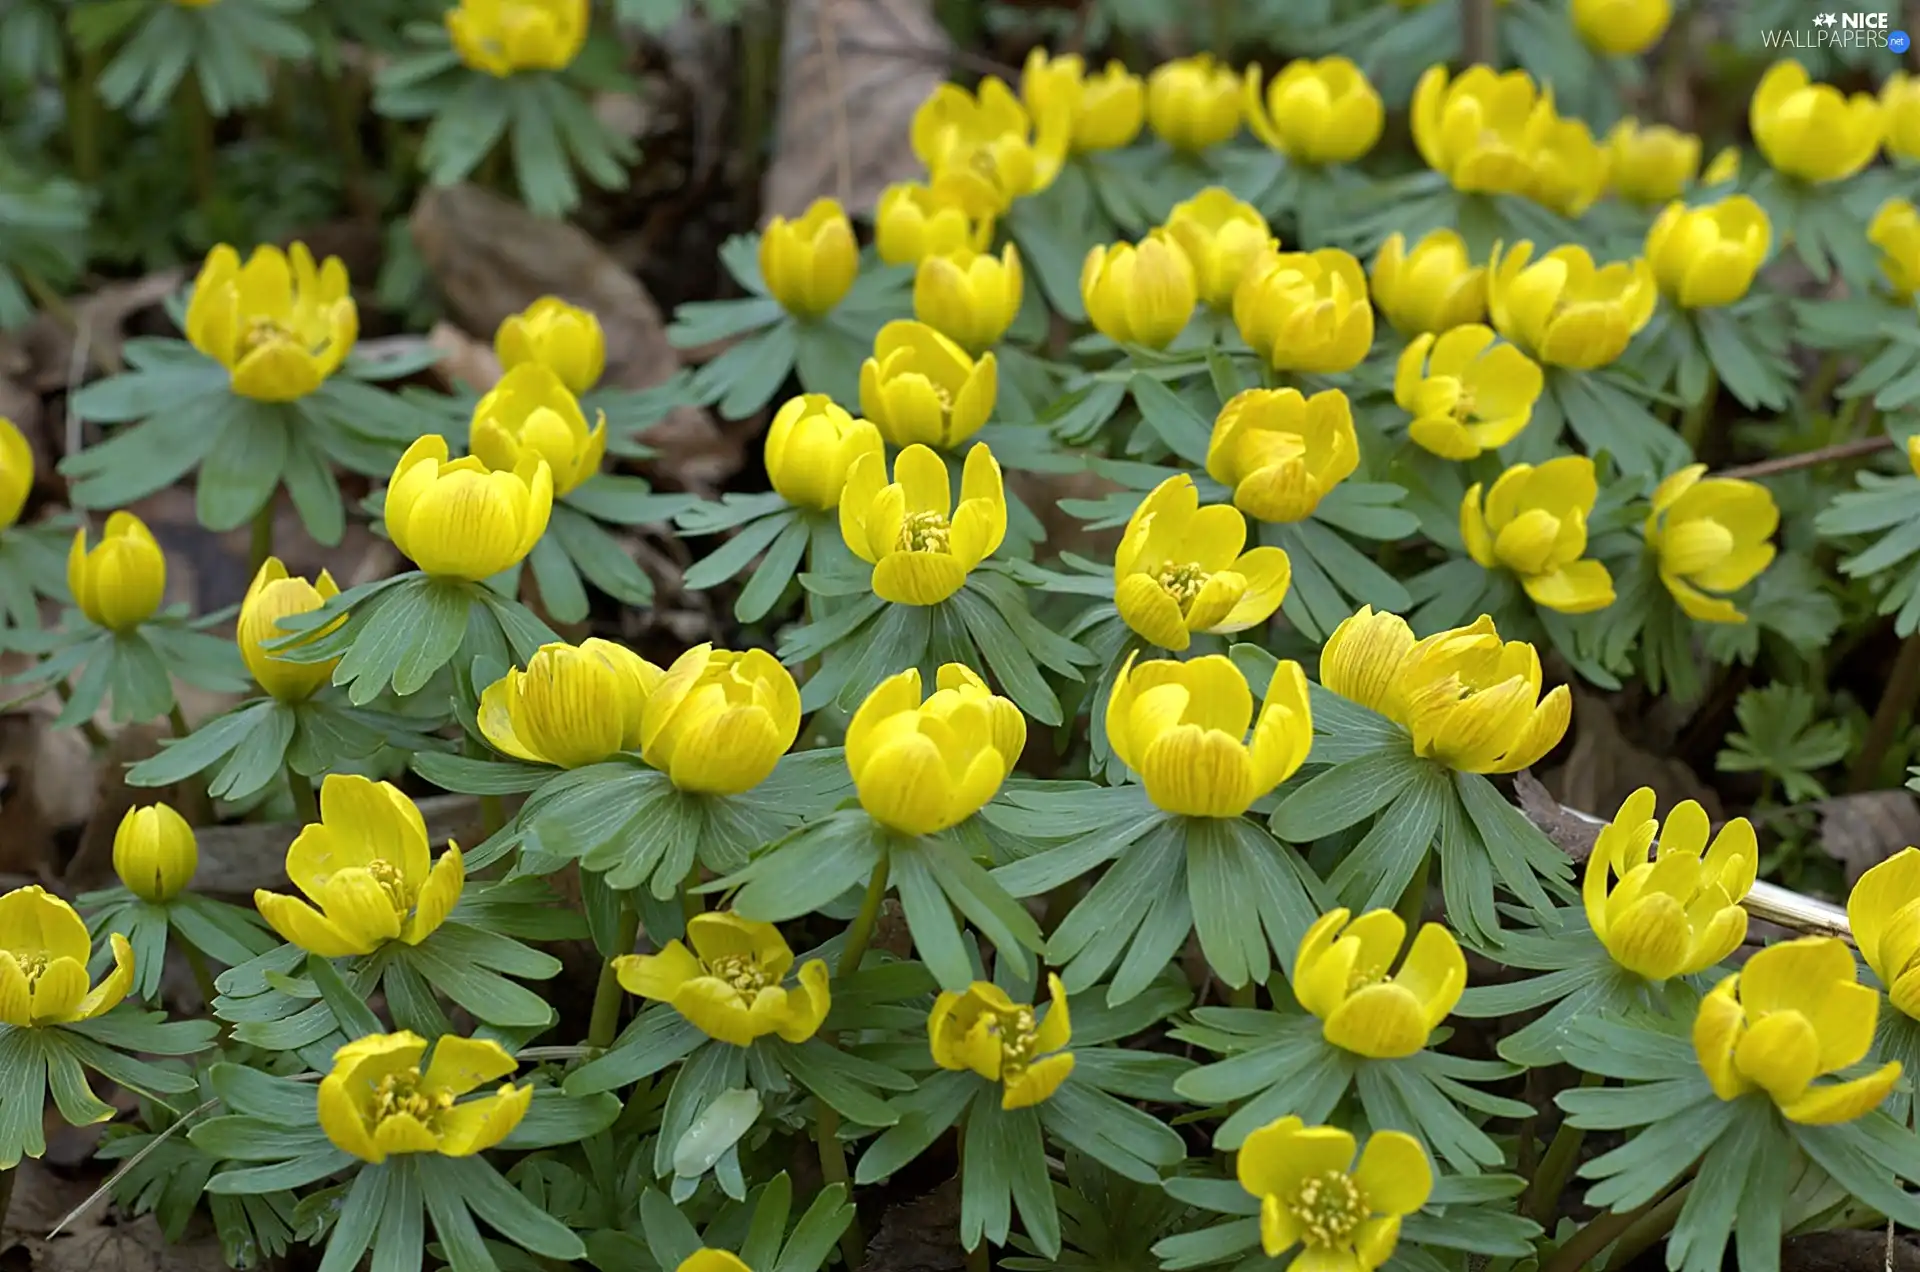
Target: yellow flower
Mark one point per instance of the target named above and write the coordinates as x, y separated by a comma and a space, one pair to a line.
1315, 111
719, 720
1340, 975
1193, 103
572, 706
1793, 1013
272, 596
1179, 569
1313, 1195
377, 1104
1182, 726
500, 37
1900, 100
809, 264
970, 298
1569, 166
1482, 130
278, 325
919, 386
367, 864
1813, 131
921, 767
562, 337
1723, 168
705, 1260
1470, 701
985, 150
16, 472
1711, 536
1221, 236
985, 1031
1139, 294
1305, 311
1678, 914
44, 950
1565, 310
1895, 230
811, 444
1107, 109
1435, 287
1534, 522
728, 984
1280, 453
532, 412
1884, 913
1621, 28
1651, 163
1467, 394
913, 222
1707, 256
920, 546
155, 853
458, 519
117, 585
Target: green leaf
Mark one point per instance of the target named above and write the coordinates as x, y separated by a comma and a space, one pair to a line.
561, 593
925, 1115
491, 997
1378, 869
1006, 656
600, 558
720, 1125
353, 1015
819, 1228
506, 1209
243, 469
358, 1220
670, 1237
734, 555
465, 775
297, 1172
1182, 428
657, 1038
838, 1079
23, 1073
444, 1187
1344, 796
181, 758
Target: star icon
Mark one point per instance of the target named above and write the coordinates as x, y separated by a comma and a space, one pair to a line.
1825, 19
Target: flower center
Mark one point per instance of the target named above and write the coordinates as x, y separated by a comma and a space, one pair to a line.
35, 966
1019, 1039
1364, 975
1183, 582
399, 1095
264, 331
925, 532
742, 971
1329, 1207
1463, 401
393, 883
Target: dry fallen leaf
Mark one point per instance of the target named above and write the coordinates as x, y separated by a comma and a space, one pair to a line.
465, 361
1861, 831
1605, 766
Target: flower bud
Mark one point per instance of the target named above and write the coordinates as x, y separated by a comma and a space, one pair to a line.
500, 37
1221, 236
532, 412
811, 445
1193, 103
914, 222
921, 387
572, 706
272, 596
455, 519
1895, 230
1651, 164
562, 337
1107, 109
1315, 111
1621, 28
1141, 295
971, 299
1434, 288
1707, 256
119, 583
1305, 311
1813, 131
809, 264
719, 721
154, 853
16, 472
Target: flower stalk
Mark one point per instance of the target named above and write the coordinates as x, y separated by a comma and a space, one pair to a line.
607, 994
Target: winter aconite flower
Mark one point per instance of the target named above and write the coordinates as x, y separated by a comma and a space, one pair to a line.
1481, 129
1221, 236
1569, 166
1346, 1217
728, 985
1790, 1015
456, 519
502, 37
1140, 294
272, 596
1900, 107
719, 720
919, 386
1435, 287
921, 767
1003, 1041
1564, 309
914, 221
1895, 230
1678, 914
1534, 523
969, 297
561, 337
1182, 726
1193, 103
119, 582
811, 444
1621, 28
367, 866
1305, 311
572, 706
155, 853
985, 149
1467, 393
1107, 108
1179, 569
16, 472
1340, 975
531, 412
808, 264
1315, 110
1707, 256
1471, 701
1280, 453
921, 547
377, 1103
1711, 536
279, 325
44, 950
1813, 131
1884, 913
1651, 163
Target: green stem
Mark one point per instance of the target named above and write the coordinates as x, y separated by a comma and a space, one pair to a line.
203, 980
1223, 28
1412, 906
1693, 428
6, 1196
980, 1258
83, 116
1556, 1168
199, 126
607, 994
826, 1126
343, 97
306, 809
88, 729
1650, 1227
1243, 995
860, 935
1599, 1232
1903, 690
261, 546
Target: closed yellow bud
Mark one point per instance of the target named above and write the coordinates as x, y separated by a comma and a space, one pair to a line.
1107, 109
1280, 453
1708, 256
1711, 536
1885, 921
272, 596
1139, 294
1678, 914
1564, 309
1315, 111
1900, 102
1183, 728
1467, 393
1305, 311
279, 325
16, 472
119, 583
1569, 166
44, 952
500, 37
1813, 131
920, 387
572, 706
811, 444
921, 767
969, 298
913, 222
1221, 236
985, 149
1193, 103
1481, 130
1340, 975
154, 852
564, 338
380, 1102
719, 721
920, 546
531, 412
1651, 163
985, 1031
1312, 1194
809, 264
1621, 28
728, 986
1895, 230
1179, 569
459, 520
1534, 523
1434, 288
1723, 168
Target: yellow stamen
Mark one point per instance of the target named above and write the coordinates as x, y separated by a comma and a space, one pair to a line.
1328, 1207
925, 532
1183, 582
399, 1095
394, 884
742, 971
